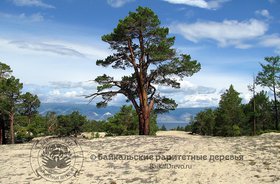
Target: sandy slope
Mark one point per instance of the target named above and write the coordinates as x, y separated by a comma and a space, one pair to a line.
261, 162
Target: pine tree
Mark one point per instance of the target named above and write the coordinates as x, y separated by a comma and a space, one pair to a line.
5, 72
264, 111
10, 90
29, 105
229, 115
143, 46
269, 77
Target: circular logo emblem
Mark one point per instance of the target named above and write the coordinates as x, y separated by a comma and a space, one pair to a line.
56, 159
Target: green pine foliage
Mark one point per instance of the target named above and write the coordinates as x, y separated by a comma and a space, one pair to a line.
70, 124
232, 118
263, 113
227, 120
229, 115
204, 122
125, 122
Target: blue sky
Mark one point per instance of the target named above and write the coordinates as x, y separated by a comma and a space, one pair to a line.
52, 45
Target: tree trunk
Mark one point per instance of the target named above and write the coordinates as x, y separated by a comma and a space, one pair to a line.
144, 120
147, 126
254, 122
3, 128
144, 126
145, 113
275, 108
141, 124
12, 134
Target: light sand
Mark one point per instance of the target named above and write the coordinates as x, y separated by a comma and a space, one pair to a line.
261, 162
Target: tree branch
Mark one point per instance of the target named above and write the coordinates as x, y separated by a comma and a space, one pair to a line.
110, 93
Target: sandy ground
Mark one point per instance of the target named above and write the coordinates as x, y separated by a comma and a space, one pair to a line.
260, 164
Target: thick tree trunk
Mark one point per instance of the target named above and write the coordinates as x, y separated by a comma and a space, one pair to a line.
144, 126
12, 134
146, 115
147, 126
145, 111
141, 124
144, 123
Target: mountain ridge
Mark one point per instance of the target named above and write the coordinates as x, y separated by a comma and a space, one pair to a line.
179, 116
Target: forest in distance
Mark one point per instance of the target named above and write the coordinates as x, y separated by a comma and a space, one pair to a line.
141, 44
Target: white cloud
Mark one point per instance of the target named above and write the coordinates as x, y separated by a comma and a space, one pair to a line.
271, 41
199, 101
54, 92
272, 1
118, 3
70, 85
37, 3
49, 66
214, 4
226, 33
57, 47
265, 13
191, 94
46, 47
187, 88
36, 17
71, 94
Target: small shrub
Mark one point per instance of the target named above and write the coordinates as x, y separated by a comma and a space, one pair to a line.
236, 130
97, 135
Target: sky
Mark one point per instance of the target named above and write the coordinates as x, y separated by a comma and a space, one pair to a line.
52, 46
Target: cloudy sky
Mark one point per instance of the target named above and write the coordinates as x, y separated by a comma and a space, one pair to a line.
52, 45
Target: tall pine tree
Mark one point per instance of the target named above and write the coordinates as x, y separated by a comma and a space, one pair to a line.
142, 45
269, 77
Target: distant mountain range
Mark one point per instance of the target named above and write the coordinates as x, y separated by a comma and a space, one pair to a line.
172, 119
88, 110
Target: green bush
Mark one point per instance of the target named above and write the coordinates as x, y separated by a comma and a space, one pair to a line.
125, 122
23, 135
236, 130
97, 135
